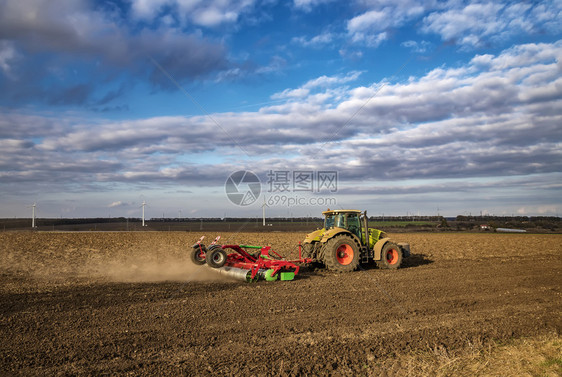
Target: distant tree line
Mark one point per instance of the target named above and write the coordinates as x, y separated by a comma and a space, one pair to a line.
70, 221
551, 223
508, 218
423, 223
289, 219
232, 219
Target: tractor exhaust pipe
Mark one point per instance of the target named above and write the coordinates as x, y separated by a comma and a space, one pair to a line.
366, 227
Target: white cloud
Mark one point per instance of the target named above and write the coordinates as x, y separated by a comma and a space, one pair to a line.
319, 82
325, 81
197, 12
475, 24
469, 24
417, 47
8, 56
292, 93
373, 20
307, 5
521, 55
350, 54
369, 39
276, 64
370, 27
316, 41
147, 9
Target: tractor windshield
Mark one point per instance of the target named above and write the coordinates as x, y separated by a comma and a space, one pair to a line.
329, 222
340, 220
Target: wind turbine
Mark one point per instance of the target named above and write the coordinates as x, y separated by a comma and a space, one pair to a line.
263, 209
143, 205
33, 215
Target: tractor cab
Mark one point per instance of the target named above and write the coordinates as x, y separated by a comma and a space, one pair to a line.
345, 219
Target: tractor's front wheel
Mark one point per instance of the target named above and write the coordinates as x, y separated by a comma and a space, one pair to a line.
391, 256
341, 254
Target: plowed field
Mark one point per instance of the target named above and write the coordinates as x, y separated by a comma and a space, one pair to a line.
132, 303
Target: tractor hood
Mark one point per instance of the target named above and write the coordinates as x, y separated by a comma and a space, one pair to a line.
332, 232
323, 235
314, 236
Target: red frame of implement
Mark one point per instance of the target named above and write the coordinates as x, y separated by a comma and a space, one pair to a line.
242, 259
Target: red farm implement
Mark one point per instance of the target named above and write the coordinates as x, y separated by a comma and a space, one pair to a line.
238, 262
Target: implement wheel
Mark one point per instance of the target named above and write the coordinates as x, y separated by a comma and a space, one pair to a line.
216, 257
198, 255
391, 256
341, 254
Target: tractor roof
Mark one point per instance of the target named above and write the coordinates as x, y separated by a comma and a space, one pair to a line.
334, 211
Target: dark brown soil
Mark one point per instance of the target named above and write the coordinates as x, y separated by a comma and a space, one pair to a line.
131, 303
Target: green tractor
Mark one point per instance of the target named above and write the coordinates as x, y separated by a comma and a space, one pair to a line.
346, 240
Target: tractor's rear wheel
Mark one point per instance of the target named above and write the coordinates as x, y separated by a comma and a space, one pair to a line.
216, 257
341, 254
391, 256
198, 255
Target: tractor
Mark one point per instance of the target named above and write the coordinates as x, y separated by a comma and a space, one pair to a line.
346, 240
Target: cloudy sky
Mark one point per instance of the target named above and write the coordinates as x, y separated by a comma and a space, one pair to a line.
450, 107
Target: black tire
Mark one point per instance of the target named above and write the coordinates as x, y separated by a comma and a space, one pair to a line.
198, 255
341, 254
391, 256
216, 257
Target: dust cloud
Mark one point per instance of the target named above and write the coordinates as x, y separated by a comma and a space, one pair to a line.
61, 258
147, 269
125, 270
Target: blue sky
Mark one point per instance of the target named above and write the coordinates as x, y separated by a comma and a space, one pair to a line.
449, 107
